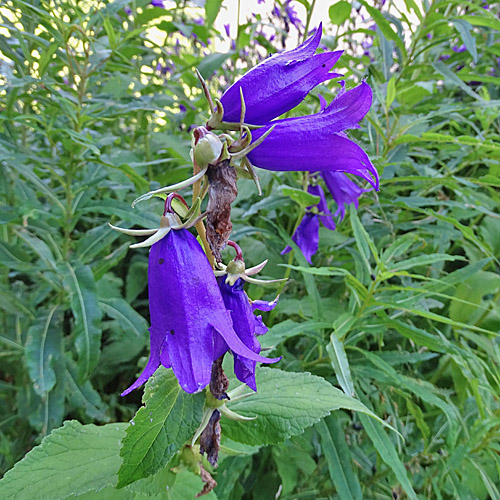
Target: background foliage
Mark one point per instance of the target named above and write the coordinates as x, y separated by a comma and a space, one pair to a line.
400, 310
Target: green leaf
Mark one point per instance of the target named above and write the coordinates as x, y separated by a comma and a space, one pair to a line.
84, 395
473, 290
339, 459
160, 428
127, 317
212, 8
363, 241
288, 328
186, 486
384, 26
450, 77
387, 451
391, 92
43, 349
465, 30
80, 284
340, 364
303, 198
212, 63
286, 403
339, 12
72, 460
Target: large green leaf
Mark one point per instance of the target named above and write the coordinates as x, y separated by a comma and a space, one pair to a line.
160, 428
286, 403
74, 459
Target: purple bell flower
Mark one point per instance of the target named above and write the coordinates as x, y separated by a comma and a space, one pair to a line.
306, 236
158, 3
246, 325
343, 190
279, 83
317, 142
188, 314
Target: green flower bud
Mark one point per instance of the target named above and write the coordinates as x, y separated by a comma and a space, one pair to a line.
207, 148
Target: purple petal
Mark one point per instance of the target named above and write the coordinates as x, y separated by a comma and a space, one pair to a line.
279, 83
182, 291
325, 215
260, 327
222, 323
343, 190
246, 326
264, 305
306, 236
307, 142
156, 341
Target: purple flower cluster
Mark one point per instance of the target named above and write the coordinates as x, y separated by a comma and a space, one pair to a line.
312, 143
194, 319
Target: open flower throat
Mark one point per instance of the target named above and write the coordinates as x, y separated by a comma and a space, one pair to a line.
199, 308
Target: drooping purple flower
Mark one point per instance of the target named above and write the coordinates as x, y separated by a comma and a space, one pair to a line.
306, 236
317, 142
227, 29
325, 215
188, 314
279, 83
158, 3
459, 48
343, 190
246, 325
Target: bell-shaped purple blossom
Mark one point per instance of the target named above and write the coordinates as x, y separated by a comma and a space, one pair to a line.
343, 190
246, 325
187, 314
306, 236
279, 83
317, 142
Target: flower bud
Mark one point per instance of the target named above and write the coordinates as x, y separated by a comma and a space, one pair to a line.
207, 148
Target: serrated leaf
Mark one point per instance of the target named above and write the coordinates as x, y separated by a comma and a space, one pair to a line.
160, 428
80, 284
74, 459
286, 403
